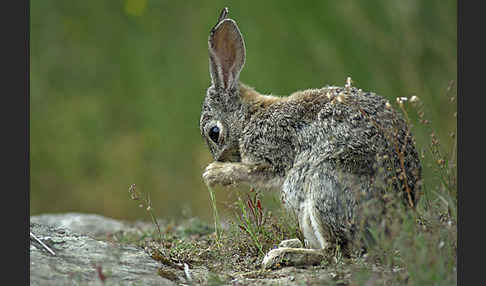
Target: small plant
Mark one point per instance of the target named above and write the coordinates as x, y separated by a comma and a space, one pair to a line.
252, 221
263, 228
217, 224
146, 203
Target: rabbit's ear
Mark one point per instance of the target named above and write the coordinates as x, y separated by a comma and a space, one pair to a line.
226, 53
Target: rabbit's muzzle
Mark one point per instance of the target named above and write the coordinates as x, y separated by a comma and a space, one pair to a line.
229, 155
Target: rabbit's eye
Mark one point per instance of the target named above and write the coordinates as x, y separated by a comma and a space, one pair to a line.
214, 134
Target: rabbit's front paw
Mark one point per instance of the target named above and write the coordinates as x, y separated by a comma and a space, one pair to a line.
225, 174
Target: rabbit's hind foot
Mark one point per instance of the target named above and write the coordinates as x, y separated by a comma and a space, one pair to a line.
292, 243
288, 256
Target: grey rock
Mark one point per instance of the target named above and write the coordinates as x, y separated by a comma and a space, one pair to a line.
89, 224
79, 258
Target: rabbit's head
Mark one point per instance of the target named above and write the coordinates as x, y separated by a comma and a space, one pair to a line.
220, 123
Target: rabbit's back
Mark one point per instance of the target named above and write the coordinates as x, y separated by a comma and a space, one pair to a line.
354, 130
328, 145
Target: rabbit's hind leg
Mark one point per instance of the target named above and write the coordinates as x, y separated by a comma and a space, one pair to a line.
292, 252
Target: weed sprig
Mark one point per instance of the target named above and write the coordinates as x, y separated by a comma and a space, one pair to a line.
146, 203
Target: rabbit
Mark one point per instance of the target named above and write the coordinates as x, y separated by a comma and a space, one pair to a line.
328, 150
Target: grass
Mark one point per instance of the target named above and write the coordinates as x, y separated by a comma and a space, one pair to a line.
413, 246
214, 209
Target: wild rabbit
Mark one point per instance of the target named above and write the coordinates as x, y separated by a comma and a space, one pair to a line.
328, 150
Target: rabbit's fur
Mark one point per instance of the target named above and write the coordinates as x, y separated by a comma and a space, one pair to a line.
329, 150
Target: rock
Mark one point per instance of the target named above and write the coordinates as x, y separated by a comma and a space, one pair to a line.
89, 224
81, 259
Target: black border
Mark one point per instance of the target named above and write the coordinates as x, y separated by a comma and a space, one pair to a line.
15, 140
15, 118
471, 145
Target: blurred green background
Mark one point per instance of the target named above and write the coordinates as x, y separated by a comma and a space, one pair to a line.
117, 86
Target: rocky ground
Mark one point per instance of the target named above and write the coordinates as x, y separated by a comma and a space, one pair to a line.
95, 250
91, 249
